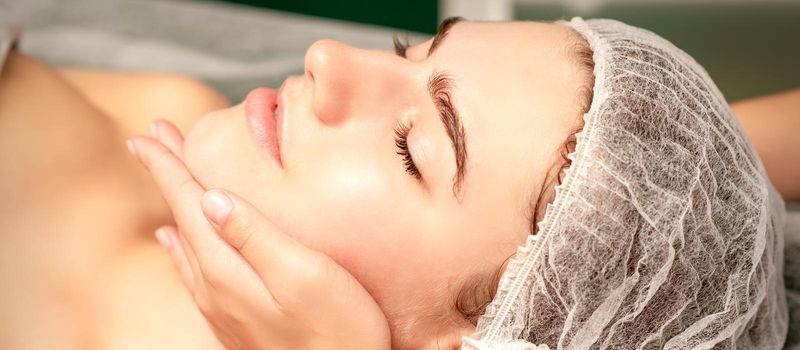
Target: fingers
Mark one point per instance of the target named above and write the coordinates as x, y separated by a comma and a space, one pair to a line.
169, 238
213, 264
179, 189
169, 135
279, 260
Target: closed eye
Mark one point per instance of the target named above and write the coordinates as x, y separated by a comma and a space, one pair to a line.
401, 141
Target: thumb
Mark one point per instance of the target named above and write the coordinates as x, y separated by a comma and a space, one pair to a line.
277, 258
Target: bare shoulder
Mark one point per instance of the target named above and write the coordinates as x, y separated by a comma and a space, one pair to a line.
133, 99
77, 231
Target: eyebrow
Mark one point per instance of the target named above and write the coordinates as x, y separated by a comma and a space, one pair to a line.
440, 89
441, 33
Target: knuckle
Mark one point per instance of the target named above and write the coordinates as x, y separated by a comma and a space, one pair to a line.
217, 281
307, 277
238, 230
184, 182
204, 303
149, 154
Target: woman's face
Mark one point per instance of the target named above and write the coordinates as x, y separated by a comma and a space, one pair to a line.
343, 189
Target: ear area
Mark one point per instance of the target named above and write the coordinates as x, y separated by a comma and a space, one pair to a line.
449, 337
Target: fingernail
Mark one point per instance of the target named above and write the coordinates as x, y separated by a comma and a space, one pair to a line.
154, 129
163, 238
217, 205
131, 147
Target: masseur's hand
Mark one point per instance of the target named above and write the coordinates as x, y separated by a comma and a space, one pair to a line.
257, 287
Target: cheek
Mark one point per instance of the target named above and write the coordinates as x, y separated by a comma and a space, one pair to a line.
219, 153
357, 213
206, 153
357, 207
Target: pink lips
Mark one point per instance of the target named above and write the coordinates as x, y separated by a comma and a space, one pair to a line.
259, 109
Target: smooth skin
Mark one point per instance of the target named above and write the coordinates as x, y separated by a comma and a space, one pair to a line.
343, 189
79, 262
327, 63
263, 282
267, 250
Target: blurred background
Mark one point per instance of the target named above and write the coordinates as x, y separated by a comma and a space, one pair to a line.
750, 47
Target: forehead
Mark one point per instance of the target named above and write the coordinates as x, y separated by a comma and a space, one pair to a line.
516, 88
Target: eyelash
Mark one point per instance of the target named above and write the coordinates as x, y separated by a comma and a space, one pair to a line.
400, 45
401, 130
401, 141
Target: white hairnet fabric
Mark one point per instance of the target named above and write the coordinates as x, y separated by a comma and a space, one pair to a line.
665, 232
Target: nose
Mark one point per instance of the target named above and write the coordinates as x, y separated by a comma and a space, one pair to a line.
351, 83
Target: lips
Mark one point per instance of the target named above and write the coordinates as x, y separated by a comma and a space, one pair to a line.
259, 110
